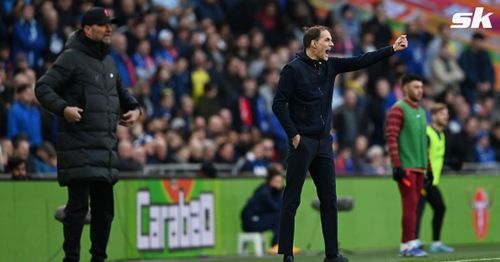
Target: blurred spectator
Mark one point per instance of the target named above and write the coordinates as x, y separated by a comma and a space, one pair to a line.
232, 81
209, 104
135, 33
212, 10
53, 34
200, 74
343, 44
45, 159
68, 18
17, 168
2, 162
268, 89
226, 154
124, 64
442, 37
7, 152
367, 43
253, 161
144, 62
24, 116
215, 48
166, 53
357, 82
350, 23
376, 110
461, 111
349, 120
269, 21
166, 106
495, 139
262, 210
21, 150
5, 99
180, 79
445, 73
268, 152
359, 154
378, 25
476, 64
459, 145
207, 170
160, 152
414, 56
376, 163
484, 151
126, 161
144, 96
343, 161
250, 109
28, 38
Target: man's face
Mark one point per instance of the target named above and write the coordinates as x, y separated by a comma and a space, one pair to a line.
99, 33
322, 46
276, 182
441, 117
19, 171
414, 90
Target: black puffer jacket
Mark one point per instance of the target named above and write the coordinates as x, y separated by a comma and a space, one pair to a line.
84, 75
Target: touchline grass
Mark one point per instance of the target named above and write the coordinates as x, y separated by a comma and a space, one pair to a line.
470, 253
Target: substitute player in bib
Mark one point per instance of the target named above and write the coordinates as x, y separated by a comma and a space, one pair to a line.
406, 138
431, 193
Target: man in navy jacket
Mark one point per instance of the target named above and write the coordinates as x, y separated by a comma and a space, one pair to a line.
303, 107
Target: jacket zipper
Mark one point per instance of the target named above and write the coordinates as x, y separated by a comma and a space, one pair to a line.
107, 112
321, 108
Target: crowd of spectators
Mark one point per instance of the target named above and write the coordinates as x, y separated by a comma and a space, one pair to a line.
205, 73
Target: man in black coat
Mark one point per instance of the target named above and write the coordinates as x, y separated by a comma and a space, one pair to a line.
303, 107
84, 90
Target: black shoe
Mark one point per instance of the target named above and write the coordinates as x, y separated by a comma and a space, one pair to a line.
339, 258
288, 258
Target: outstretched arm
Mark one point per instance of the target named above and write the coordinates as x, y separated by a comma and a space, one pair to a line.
342, 65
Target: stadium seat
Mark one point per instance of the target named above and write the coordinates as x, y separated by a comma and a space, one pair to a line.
258, 239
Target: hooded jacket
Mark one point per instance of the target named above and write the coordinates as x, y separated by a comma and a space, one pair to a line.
303, 102
84, 75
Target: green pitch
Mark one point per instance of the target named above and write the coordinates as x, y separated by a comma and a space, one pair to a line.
478, 253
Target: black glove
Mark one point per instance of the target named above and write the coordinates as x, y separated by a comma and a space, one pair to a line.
398, 173
429, 178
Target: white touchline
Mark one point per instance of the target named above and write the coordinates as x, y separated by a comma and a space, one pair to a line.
474, 260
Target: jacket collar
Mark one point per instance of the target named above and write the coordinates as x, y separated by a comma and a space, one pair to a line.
80, 42
306, 59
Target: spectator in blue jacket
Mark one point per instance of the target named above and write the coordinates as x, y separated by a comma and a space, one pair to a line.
24, 117
123, 62
28, 37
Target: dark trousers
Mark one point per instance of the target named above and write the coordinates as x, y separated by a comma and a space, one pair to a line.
261, 223
102, 212
435, 199
316, 156
410, 188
